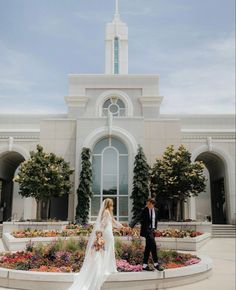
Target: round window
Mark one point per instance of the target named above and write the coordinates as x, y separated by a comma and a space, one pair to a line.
115, 106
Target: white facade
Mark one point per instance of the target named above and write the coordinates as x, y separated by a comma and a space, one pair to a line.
123, 110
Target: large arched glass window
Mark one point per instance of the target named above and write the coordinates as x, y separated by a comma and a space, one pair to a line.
110, 177
115, 106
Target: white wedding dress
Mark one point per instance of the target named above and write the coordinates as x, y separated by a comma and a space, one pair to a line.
98, 265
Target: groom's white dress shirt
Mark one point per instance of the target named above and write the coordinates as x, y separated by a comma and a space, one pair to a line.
153, 216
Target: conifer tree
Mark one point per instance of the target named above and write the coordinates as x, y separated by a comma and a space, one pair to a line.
84, 191
140, 192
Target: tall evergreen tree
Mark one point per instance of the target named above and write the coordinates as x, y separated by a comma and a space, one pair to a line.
84, 191
140, 192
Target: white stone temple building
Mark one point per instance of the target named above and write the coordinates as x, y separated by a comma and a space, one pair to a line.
112, 113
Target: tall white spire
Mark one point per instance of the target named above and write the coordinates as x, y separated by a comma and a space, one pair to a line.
117, 14
117, 45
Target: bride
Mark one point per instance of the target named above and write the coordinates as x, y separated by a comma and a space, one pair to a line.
99, 261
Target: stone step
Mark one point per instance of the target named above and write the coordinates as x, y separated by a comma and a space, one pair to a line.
223, 226
224, 236
230, 229
229, 232
224, 230
233, 235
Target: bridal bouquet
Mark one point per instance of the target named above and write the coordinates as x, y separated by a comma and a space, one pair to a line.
99, 243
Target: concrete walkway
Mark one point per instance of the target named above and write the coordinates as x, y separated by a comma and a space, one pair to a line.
222, 251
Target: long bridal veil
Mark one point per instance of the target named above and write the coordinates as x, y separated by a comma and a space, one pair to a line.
91, 276
97, 226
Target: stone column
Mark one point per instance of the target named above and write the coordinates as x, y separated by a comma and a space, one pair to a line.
192, 208
30, 208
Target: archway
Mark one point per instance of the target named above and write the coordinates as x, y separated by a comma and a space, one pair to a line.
128, 141
110, 177
215, 198
9, 162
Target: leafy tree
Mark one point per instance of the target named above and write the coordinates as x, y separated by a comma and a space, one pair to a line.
43, 176
174, 178
84, 191
140, 192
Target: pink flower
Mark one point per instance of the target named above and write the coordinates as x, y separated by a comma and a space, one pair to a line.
192, 261
124, 266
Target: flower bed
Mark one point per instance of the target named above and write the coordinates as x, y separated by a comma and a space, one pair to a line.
68, 231
76, 230
176, 233
186, 240
68, 255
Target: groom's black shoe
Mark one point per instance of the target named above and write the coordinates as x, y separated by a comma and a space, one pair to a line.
159, 268
147, 268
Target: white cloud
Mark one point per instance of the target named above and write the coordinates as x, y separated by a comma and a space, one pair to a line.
207, 84
13, 65
23, 83
193, 79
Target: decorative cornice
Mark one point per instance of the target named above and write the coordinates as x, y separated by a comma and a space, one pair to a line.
101, 76
19, 130
204, 136
208, 134
209, 131
76, 101
150, 101
18, 138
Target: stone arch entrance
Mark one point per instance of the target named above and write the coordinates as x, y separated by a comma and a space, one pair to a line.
110, 176
129, 142
9, 162
214, 200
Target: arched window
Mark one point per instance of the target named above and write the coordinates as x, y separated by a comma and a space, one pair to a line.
115, 106
110, 177
116, 56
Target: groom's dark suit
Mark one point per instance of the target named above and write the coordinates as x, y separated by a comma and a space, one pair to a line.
147, 231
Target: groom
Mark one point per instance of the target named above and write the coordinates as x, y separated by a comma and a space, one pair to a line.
148, 219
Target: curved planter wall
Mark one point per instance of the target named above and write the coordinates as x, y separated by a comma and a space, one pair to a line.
183, 244
25, 280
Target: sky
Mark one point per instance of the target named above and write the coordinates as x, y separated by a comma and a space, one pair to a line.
189, 43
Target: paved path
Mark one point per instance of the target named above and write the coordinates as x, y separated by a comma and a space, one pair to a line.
222, 251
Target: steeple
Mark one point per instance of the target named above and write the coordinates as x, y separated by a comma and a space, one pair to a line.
116, 45
117, 14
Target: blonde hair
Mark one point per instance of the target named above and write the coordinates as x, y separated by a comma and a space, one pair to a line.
107, 205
